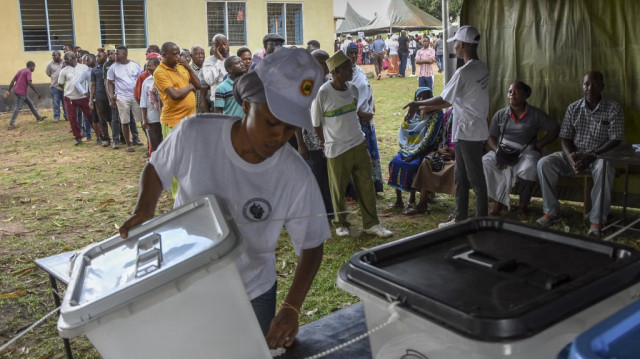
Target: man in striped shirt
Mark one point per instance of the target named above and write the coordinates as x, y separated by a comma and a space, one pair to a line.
224, 101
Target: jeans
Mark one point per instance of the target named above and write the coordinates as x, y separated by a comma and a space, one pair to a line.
377, 62
84, 124
403, 63
425, 81
115, 123
413, 64
264, 306
56, 96
18, 106
439, 62
470, 174
101, 107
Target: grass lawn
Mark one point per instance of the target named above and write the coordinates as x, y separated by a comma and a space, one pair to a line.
56, 197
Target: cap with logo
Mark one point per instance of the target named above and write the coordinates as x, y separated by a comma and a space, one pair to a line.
291, 79
468, 34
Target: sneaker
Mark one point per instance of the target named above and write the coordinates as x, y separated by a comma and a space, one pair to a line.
342, 231
98, 141
116, 145
594, 230
137, 143
78, 142
11, 127
106, 143
547, 220
447, 224
379, 231
56, 120
42, 118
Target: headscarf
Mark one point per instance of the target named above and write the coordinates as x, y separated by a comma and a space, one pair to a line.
420, 90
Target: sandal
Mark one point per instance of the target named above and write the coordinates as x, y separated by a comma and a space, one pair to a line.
415, 210
130, 149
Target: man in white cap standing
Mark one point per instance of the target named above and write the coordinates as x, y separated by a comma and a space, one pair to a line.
468, 93
242, 162
336, 114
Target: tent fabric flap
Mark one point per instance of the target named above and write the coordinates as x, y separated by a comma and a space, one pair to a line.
352, 20
402, 14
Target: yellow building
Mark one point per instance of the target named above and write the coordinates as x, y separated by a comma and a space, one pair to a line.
36, 27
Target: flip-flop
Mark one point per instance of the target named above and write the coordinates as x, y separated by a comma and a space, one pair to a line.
413, 211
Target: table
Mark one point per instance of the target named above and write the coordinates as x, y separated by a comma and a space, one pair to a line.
627, 155
313, 338
57, 267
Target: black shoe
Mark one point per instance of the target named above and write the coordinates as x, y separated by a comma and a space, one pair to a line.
137, 143
78, 141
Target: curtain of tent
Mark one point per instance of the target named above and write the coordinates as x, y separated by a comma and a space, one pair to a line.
551, 44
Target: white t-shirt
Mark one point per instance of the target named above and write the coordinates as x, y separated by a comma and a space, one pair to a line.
468, 92
365, 95
73, 79
153, 113
125, 77
259, 197
336, 112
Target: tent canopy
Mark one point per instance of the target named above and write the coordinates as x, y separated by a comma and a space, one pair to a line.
352, 20
401, 14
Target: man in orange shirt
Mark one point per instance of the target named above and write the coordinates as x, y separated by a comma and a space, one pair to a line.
176, 82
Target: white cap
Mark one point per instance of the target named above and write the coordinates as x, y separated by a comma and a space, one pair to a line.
468, 34
291, 79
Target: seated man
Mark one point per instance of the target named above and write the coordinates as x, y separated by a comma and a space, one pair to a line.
335, 115
516, 127
592, 125
242, 162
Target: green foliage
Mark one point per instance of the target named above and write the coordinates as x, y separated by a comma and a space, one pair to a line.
434, 8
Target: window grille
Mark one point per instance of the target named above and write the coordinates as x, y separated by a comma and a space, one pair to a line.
47, 25
286, 20
123, 22
228, 18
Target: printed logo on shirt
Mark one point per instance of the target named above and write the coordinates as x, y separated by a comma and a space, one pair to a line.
342, 110
257, 210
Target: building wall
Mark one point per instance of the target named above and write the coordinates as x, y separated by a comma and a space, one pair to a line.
183, 22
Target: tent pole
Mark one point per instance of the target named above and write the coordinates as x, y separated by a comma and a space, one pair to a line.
445, 36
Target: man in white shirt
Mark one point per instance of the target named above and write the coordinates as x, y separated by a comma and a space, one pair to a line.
468, 93
121, 79
213, 72
241, 162
335, 114
74, 82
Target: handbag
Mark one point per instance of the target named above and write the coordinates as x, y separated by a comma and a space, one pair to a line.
507, 155
385, 64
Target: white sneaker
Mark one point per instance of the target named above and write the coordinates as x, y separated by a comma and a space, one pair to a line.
379, 231
342, 231
447, 224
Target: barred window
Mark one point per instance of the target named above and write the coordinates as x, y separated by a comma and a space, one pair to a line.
123, 22
47, 25
228, 18
286, 20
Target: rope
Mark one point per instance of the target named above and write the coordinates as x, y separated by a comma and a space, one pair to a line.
30, 328
394, 315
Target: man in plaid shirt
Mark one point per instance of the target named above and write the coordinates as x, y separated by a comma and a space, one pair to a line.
592, 125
